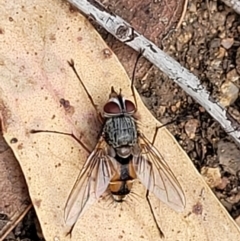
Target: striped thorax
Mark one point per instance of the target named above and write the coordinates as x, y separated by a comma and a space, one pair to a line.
120, 130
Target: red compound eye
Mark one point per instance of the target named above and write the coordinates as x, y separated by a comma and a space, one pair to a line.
130, 107
112, 108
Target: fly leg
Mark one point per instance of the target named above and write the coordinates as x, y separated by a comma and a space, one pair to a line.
154, 218
133, 77
63, 133
150, 206
147, 192
159, 127
72, 65
155, 133
100, 118
76, 139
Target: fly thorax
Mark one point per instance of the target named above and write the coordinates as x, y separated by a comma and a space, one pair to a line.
120, 131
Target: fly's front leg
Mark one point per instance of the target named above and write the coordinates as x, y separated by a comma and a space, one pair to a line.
66, 103
72, 65
133, 77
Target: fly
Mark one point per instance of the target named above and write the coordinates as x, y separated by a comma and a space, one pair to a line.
122, 154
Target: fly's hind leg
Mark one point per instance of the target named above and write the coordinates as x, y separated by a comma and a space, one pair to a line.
154, 218
147, 192
72, 65
151, 209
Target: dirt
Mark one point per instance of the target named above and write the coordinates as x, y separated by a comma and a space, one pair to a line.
208, 44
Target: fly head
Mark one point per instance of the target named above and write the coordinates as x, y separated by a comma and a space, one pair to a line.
117, 105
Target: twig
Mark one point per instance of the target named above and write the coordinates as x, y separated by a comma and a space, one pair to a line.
183, 14
186, 80
14, 222
234, 4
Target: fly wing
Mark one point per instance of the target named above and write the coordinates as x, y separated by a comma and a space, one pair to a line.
92, 182
156, 176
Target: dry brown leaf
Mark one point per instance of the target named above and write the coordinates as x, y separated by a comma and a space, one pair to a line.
35, 76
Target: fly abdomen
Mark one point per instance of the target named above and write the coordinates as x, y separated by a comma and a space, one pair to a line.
120, 131
122, 182
119, 189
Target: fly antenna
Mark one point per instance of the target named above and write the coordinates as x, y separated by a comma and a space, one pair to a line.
72, 65
133, 76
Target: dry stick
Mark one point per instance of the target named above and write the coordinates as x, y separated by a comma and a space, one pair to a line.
183, 14
234, 4
12, 224
186, 80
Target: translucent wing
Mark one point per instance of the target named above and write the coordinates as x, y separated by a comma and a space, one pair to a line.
92, 182
156, 176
